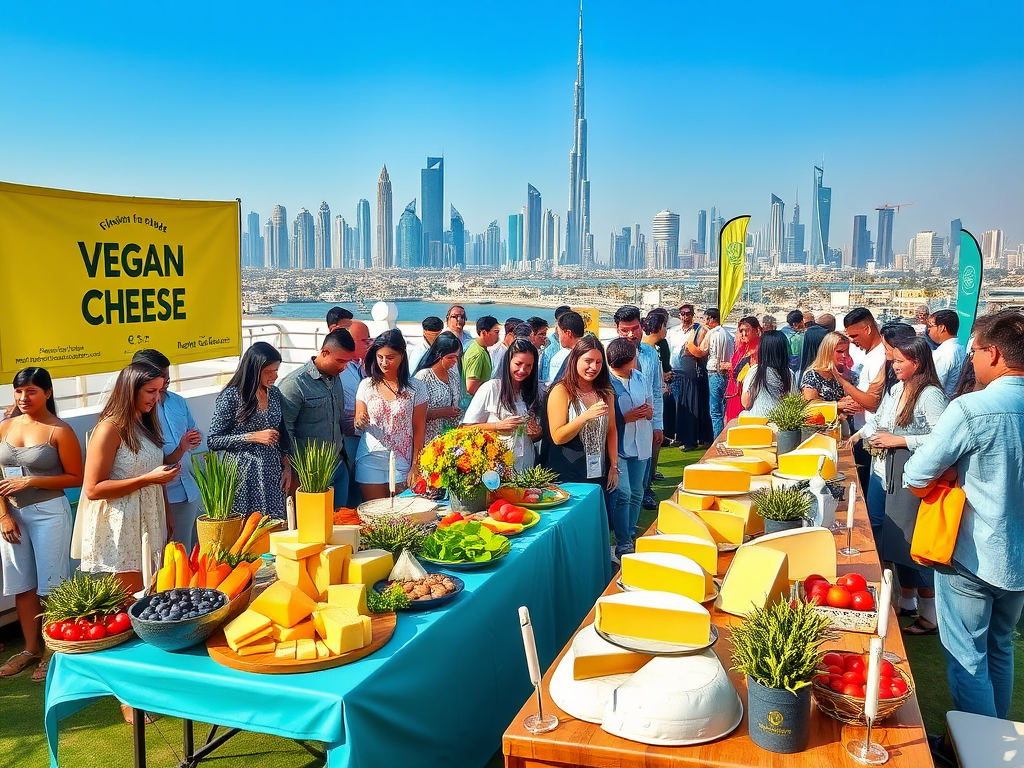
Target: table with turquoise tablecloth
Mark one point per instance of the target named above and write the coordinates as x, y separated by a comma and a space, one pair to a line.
441, 692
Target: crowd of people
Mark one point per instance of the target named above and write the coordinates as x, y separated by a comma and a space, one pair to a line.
916, 406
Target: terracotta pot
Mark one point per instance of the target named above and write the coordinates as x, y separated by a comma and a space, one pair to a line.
314, 516
222, 532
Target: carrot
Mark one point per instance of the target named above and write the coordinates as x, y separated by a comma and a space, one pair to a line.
250, 525
217, 574
236, 581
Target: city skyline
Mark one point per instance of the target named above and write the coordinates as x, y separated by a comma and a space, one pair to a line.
194, 134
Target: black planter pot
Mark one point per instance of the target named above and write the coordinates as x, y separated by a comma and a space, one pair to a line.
779, 721
788, 441
774, 526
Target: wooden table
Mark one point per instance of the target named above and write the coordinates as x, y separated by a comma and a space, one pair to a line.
578, 743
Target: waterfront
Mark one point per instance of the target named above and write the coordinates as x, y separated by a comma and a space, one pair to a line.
413, 311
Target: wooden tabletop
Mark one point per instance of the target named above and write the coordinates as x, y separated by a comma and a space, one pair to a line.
578, 743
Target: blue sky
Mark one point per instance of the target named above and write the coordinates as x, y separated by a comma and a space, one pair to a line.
689, 105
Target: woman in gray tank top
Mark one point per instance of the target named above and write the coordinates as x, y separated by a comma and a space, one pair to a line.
40, 457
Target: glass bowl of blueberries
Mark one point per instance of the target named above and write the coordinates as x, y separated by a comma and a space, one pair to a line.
179, 618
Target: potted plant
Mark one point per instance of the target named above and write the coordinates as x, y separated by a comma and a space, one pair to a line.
217, 478
789, 417
457, 461
778, 648
782, 508
314, 464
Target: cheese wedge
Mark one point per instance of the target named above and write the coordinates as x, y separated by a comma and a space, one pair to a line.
285, 651
367, 630
747, 420
245, 627
672, 518
810, 550
694, 500
743, 506
305, 649
725, 527
297, 550
283, 604
765, 455
804, 463
282, 536
749, 464
266, 645
666, 572
659, 616
829, 410
345, 534
713, 478
322, 651
750, 436
258, 638
701, 551
328, 567
344, 631
756, 577
593, 656
349, 597
369, 566
302, 631
821, 442
294, 572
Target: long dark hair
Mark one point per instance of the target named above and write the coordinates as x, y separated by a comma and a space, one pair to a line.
246, 379
773, 354
392, 339
894, 334
529, 388
916, 350
571, 377
445, 344
120, 409
35, 377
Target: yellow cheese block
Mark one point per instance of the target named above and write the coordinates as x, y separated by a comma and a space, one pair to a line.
322, 651
305, 649
659, 616
694, 500
294, 572
345, 534
283, 604
593, 656
666, 572
314, 516
821, 442
367, 630
285, 651
701, 551
298, 550
672, 518
829, 410
746, 420
765, 455
328, 567
756, 577
804, 463
247, 625
714, 478
743, 506
318, 621
369, 566
349, 597
749, 436
266, 645
301, 631
260, 637
749, 464
725, 527
810, 550
282, 536
344, 631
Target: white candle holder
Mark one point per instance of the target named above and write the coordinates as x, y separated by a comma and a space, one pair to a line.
867, 752
540, 723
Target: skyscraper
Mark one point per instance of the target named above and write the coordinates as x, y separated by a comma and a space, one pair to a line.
255, 242
322, 237
515, 238
776, 230
884, 255
303, 240
793, 250
992, 249
577, 219
492, 246
861, 252
665, 235
636, 248
532, 224
385, 242
619, 249
820, 213
432, 195
714, 229
279, 256
363, 256
338, 243
458, 239
954, 242
409, 253
702, 232
547, 236
924, 251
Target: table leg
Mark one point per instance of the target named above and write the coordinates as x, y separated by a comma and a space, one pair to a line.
139, 737
188, 742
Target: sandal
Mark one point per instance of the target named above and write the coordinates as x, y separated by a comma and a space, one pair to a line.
39, 676
18, 663
921, 627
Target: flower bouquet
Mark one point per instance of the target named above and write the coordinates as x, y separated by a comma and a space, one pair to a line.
457, 461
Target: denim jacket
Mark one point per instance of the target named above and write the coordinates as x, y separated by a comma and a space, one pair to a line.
313, 406
982, 435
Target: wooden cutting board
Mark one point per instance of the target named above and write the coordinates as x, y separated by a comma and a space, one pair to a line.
265, 664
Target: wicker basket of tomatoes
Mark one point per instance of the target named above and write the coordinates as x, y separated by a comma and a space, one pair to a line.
850, 603
85, 614
839, 688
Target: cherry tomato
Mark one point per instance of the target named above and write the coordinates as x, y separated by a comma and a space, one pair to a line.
854, 690
822, 680
809, 581
95, 632
854, 664
862, 601
885, 692
72, 633
120, 623
833, 660
839, 597
887, 669
899, 686
853, 678
853, 582
836, 669
837, 684
55, 630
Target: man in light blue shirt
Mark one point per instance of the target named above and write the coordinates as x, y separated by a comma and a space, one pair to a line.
980, 439
552, 348
570, 329
180, 438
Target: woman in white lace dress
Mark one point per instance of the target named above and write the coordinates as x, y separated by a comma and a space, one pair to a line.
122, 492
439, 372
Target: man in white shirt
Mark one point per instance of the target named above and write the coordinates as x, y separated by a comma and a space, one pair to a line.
350, 377
456, 320
948, 356
869, 358
719, 345
497, 352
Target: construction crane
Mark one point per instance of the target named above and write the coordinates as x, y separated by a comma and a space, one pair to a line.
897, 206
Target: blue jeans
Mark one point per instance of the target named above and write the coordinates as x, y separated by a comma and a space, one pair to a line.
340, 483
875, 501
627, 499
717, 383
976, 625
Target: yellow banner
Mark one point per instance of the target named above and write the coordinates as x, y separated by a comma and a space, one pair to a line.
591, 319
733, 256
89, 279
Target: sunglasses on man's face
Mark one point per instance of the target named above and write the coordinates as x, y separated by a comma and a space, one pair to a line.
456, 317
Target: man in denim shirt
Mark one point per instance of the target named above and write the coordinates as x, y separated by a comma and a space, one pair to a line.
313, 402
980, 438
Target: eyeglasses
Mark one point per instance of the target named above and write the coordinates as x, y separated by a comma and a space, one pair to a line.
456, 317
686, 314
970, 355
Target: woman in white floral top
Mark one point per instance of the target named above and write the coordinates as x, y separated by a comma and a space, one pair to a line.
439, 372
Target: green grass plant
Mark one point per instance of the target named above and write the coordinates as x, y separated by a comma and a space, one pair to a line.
217, 478
314, 465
